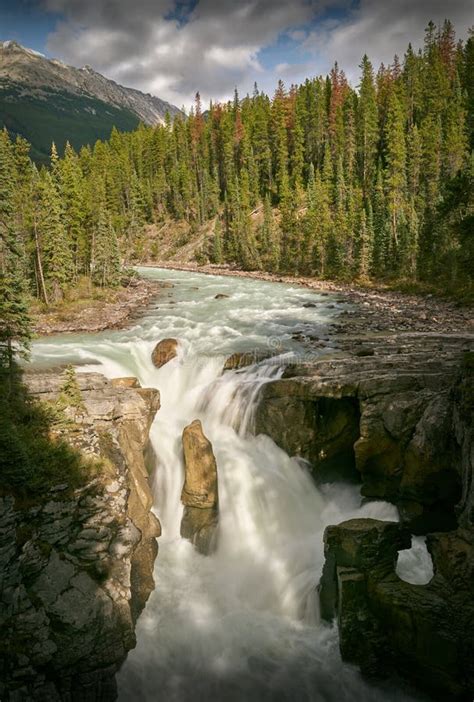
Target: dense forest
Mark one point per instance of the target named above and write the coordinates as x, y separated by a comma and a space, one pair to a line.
374, 182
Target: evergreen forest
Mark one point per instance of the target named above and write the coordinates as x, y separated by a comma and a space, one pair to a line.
373, 182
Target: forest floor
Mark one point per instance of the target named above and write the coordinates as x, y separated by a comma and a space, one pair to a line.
97, 310
376, 309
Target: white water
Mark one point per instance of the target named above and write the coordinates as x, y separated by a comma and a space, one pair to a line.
243, 623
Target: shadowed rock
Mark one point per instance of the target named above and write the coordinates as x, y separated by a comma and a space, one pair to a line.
164, 351
423, 632
200, 493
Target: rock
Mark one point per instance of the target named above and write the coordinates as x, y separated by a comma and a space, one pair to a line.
200, 490
422, 632
221, 296
164, 351
387, 418
320, 429
245, 358
365, 352
310, 304
76, 567
386, 625
130, 382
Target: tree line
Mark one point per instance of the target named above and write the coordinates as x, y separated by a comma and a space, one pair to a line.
322, 179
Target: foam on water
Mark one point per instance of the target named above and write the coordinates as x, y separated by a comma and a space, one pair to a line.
242, 624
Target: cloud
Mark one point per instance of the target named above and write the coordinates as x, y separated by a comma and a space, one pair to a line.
382, 29
173, 49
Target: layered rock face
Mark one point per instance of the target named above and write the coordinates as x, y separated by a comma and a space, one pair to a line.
386, 625
200, 491
76, 566
407, 405
384, 419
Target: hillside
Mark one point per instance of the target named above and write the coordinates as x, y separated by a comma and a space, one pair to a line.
45, 100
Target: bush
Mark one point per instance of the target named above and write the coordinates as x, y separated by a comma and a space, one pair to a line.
32, 459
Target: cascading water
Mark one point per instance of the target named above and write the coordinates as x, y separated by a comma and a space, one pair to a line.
241, 624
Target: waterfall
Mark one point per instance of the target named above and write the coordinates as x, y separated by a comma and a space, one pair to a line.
241, 624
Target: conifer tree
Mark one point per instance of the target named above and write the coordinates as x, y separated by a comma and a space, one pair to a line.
363, 247
368, 125
15, 327
56, 249
395, 175
269, 239
105, 255
217, 253
70, 184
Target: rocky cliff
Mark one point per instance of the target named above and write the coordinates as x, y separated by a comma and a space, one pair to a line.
378, 411
396, 413
76, 566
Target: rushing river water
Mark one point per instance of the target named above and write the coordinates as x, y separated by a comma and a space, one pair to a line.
243, 624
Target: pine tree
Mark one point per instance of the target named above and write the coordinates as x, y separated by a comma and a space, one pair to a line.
380, 264
467, 79
367, 135
269, 240
455, 139
105, 256
395, 176
15, 327
55, 247
363, 252
70, 184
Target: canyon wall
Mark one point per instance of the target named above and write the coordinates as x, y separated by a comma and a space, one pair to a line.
76, 565
401, 422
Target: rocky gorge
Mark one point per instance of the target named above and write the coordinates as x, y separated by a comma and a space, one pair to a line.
394, 412
387, 410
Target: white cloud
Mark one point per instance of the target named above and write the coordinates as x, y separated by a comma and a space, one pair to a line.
140, 44
382, 29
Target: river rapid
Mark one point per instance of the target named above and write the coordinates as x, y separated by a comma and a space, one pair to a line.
242, 624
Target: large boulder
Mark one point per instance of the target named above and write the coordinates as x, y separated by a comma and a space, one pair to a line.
164, 351
200, 492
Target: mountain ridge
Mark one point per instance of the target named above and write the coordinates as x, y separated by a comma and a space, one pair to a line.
67, 103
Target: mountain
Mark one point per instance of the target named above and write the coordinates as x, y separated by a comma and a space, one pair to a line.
45, 100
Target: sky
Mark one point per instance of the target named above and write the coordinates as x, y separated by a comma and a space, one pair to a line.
173, 48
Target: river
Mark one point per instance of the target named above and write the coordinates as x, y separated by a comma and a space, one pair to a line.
241, 624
